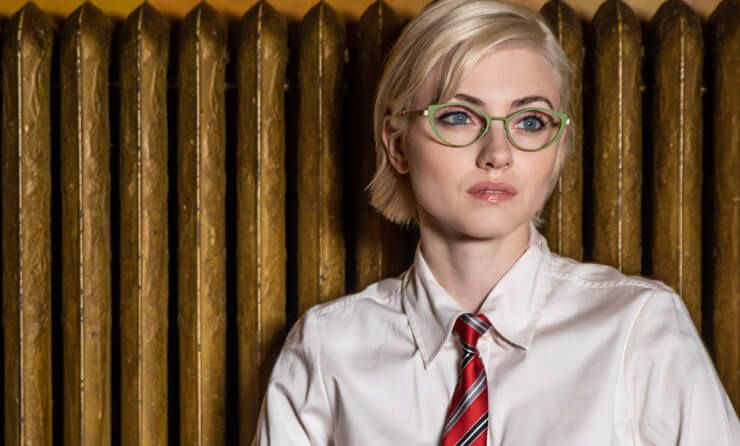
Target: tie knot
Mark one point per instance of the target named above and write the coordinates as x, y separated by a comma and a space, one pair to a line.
470, 327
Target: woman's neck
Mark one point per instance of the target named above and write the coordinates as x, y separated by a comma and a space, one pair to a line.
468, 268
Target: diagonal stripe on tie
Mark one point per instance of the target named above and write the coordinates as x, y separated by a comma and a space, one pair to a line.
466, 360
467, 399
477, 324
478, 409
468, 376
474, 432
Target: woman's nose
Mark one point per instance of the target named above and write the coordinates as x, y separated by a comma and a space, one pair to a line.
495, 151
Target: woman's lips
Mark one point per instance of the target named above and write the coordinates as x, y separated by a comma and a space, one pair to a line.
492, 192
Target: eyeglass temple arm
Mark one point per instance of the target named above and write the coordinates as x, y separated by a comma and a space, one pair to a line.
405, 112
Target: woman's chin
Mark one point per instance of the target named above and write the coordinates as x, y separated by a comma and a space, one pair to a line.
485, 230
474, 226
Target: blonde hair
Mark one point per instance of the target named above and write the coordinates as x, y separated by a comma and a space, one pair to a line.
446, 40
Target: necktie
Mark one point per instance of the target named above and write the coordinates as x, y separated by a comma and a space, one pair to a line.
467, 417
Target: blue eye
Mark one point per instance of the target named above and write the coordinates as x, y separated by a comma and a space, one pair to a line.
531, 123
455, 118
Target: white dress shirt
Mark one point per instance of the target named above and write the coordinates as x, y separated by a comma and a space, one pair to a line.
579, 354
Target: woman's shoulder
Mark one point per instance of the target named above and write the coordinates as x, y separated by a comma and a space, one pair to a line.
600, 276
378, 301
585, 285
340, 324
633, 299
384, 293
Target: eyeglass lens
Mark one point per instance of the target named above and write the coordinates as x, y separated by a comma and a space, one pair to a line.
528, 129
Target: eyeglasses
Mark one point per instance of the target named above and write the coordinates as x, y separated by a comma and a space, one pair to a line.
459, 125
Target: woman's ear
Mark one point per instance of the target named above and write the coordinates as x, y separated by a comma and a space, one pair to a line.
393, 149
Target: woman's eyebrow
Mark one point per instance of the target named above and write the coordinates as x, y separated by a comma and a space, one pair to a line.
471, 99
530, 99
516, 103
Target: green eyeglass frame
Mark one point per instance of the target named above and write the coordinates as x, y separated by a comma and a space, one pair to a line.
432, 109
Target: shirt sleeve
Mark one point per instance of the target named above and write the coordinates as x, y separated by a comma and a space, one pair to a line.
295, 409
675, 393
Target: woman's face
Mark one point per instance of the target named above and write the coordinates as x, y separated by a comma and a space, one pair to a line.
489, 189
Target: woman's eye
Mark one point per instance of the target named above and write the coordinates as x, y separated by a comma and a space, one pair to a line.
531, 123
455, 118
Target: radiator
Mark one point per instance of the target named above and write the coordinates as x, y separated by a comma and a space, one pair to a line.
176, 193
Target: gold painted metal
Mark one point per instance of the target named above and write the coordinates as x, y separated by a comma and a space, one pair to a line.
201, 227
724, 32
262, 57
26, 237
563, 212
143, 223
320, 239
86, 239
617, 138
676, 121
382, 248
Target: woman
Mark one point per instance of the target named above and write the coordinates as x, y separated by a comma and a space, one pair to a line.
488, 338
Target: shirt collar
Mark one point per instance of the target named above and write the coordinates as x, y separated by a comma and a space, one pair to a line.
513, 306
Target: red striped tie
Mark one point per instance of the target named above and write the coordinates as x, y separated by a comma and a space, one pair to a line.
467, 417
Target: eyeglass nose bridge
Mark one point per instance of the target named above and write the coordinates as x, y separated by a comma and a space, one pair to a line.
489, 120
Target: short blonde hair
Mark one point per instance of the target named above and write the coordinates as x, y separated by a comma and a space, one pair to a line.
446, 40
